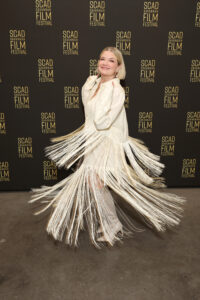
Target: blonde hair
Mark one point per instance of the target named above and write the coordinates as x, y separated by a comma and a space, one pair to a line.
122, 71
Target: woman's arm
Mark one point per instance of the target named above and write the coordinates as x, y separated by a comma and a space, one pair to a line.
105, 116
86, 87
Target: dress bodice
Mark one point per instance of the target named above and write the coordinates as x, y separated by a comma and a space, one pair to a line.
105, 111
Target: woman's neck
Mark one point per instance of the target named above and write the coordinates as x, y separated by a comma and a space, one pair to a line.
106, 78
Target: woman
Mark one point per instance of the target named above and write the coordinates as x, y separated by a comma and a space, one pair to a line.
107, 158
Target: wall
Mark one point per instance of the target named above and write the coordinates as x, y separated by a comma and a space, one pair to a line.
48, 49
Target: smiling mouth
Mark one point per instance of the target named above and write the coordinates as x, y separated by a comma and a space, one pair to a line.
105, 68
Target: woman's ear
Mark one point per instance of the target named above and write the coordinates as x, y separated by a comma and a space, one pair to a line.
119, 67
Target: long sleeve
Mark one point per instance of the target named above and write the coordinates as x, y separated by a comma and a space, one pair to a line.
86, 87
107, 114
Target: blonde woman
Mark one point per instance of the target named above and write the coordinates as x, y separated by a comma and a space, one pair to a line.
106, 158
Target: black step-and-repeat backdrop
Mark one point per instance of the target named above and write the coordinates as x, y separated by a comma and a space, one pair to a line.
49, 48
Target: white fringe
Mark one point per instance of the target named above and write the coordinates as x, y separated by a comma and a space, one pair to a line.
83, 198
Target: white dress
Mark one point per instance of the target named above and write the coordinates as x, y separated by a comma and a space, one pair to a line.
105, 157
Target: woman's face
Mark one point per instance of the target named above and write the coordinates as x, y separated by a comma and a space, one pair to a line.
107, 64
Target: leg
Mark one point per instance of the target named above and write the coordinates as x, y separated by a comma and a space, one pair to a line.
113, 225
99, 182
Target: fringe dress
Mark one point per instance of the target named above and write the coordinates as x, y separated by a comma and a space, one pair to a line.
105, 157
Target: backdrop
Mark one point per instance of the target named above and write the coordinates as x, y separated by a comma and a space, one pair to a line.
49, 48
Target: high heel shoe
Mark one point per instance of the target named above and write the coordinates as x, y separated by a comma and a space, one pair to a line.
103, 239
99, 230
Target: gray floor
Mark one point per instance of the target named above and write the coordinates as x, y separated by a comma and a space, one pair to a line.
149, 266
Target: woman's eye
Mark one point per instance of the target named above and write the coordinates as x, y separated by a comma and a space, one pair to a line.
109, 60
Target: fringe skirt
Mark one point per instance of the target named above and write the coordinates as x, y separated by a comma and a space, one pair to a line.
83, 199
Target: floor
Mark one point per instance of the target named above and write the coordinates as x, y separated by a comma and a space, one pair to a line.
149, 266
